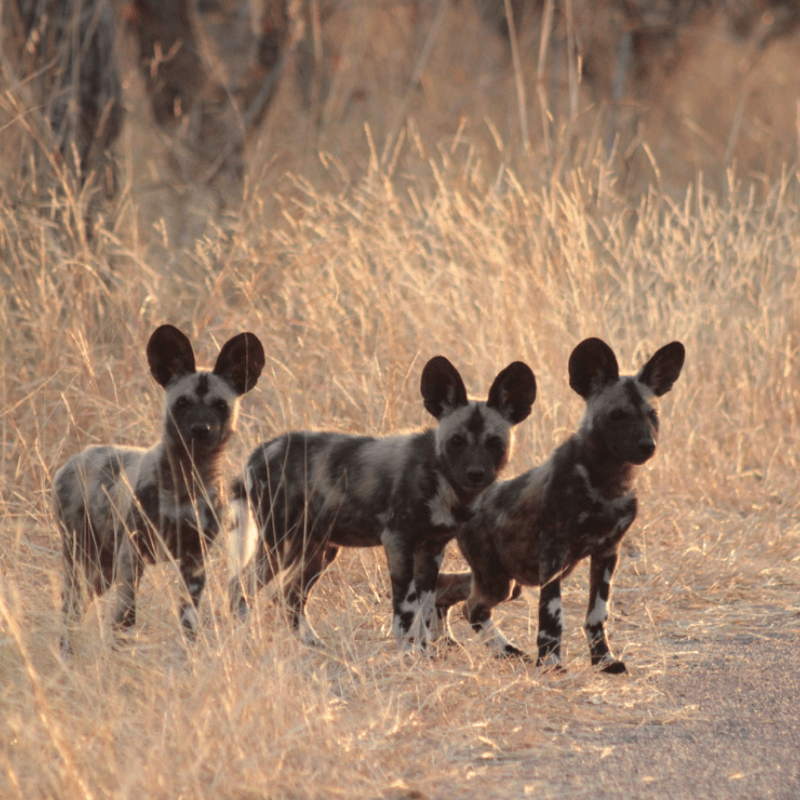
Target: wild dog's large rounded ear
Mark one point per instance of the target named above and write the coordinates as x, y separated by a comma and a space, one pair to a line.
513, 392
441, 387
592, 367
169, 354
240, 362
663, 368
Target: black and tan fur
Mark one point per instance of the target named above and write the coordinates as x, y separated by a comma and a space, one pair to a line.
312, 492
535, 528
119, 508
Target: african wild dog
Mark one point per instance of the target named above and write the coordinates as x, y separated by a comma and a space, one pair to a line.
535, 528
119, 508
311, 493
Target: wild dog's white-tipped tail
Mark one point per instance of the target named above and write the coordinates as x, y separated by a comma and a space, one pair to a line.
244, 536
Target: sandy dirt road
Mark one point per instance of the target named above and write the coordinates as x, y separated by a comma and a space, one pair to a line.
736, 733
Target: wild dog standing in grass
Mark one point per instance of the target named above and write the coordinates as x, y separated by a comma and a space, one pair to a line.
119, 508
535, 528
311, 493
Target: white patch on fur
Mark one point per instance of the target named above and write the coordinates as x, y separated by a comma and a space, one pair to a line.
442, 503
244, 536
189, 617
583, 474
599, 613
420, 632
619, 507
555, 608
406, 606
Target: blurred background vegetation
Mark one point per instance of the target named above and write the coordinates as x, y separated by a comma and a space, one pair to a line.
187, 107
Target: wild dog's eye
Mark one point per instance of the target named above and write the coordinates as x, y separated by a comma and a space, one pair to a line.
220, 405
618, 415
494, 443
182, 402
458, 441
652, 415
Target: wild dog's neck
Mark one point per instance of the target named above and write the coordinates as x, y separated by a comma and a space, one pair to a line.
611, 476
186, 477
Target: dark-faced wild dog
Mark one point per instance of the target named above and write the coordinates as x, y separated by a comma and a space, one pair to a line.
119, 507
312, 492
535, 528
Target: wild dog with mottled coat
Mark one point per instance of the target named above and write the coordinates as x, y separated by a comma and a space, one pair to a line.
119, 508
535, 528
313, 492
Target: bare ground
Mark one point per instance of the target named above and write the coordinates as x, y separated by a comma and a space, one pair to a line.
736, 732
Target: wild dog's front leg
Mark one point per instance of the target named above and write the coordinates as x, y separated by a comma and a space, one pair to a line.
490, 586
405, 600
451, 588
193, 574
74, 598
551, 612
478, 611
428, 625
129, 572
601, 571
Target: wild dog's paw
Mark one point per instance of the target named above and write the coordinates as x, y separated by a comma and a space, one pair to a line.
65, 648
512, 651
307, 635
447, 643
551, 663
611, 666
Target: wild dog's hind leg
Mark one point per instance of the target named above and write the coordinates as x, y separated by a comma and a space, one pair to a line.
551, 613
267, 565
601, 570
491, 585
405, 602
425, 627
309, 570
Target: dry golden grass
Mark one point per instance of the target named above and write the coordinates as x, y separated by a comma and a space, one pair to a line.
352, 283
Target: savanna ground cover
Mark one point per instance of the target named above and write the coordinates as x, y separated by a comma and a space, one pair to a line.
355, 257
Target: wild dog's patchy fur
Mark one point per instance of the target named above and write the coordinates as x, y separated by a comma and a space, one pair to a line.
535, 528
313, 492
119, 508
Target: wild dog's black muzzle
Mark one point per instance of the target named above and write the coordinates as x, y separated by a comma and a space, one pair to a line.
476, 476
643, 451
203, 431
647, 449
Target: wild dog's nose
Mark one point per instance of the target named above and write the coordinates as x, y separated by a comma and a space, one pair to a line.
647, 448
476, 475
201, 430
